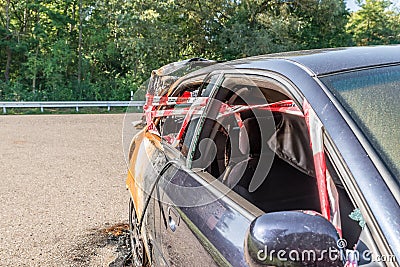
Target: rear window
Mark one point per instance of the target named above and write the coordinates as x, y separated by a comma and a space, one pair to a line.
371, 97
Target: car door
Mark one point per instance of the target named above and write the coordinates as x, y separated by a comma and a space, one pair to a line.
195, 222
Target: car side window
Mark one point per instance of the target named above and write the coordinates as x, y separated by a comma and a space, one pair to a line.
259, 145
172, 121
177, 122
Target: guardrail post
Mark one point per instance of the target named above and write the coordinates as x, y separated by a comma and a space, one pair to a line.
41, 108
77, 109
108, 108
4, 110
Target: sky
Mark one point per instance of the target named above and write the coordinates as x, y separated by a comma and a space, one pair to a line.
351, 4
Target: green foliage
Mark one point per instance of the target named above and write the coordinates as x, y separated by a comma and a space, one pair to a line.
274, 26
375, 23
101, 50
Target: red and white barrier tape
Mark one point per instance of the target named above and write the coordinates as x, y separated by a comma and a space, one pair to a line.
328, 194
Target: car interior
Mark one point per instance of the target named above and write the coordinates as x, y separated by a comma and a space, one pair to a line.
289, 183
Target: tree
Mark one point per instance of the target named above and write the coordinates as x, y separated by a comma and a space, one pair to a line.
375, 23
8, 37
273, 26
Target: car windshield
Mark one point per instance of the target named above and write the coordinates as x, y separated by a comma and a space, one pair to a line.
372, 99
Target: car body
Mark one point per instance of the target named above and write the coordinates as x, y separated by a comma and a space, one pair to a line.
244, 155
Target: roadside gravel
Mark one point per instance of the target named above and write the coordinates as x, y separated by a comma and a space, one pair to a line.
62, 182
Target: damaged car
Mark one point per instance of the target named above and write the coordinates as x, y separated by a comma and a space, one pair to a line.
287, 159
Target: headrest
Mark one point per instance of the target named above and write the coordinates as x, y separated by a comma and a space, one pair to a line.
258, 129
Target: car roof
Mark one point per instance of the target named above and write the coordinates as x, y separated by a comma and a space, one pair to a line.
327, 61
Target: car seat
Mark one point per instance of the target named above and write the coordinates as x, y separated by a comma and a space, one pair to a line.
284, 187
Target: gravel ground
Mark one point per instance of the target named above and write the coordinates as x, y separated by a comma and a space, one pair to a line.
62, 188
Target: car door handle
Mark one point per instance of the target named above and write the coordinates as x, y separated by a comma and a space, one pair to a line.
173, 222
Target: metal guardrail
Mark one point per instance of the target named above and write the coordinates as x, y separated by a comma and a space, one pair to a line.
70, 104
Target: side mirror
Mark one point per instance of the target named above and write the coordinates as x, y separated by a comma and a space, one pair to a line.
292, 238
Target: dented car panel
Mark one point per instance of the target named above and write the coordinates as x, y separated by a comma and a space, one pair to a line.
195, 176
141, 167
